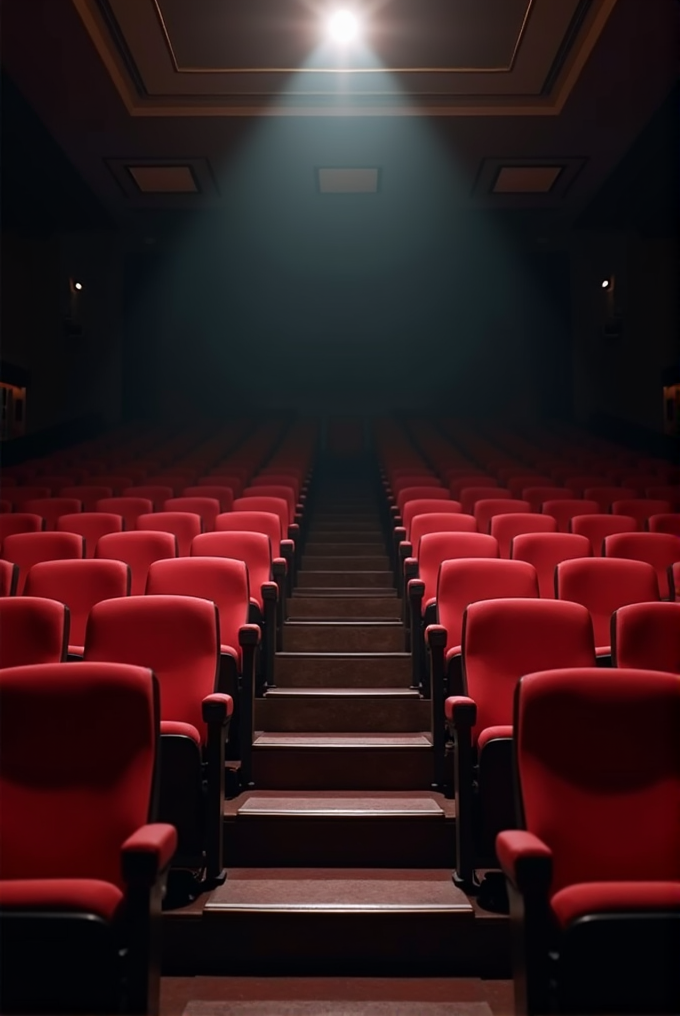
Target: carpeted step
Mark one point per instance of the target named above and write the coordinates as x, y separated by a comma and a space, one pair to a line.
319, 548
313, 579
328, 828
364, 605
343, 637
343, 535
318, 670
365, 710
342, 761
345, 562
335, 1008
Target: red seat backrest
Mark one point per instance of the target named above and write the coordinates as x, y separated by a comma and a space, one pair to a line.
544, 551
130, 508
158, 494
503, 639
640, 509
20, 522
460, 483
603, 584
536, 496
208, 508
647, 635
274, 505
470, 579
52, 508
427, 506
605, 496
506, 526
91, 526
433, 548
469, 496
138, 549
597, 527
27, 549
564, 510
440, 522
223, 495
485, 510
77, 780
407, 494
223, 581
287, 493
32, 630
87, 494
661, 550
177, 636
664, 522
254, 549
183, 525
78, 584
252, 522
9, 577
580, 802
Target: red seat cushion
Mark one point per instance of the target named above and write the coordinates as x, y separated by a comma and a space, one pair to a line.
584, 898
86, 895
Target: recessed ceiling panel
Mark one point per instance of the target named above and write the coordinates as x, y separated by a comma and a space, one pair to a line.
164, 179
526, 179
348, 181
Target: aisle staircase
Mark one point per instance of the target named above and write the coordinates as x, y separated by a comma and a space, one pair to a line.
340, 858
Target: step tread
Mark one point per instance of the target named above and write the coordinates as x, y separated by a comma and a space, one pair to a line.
339, 890
343, 656
349, 806
347, 740
329, 623
295, 1007
345, 592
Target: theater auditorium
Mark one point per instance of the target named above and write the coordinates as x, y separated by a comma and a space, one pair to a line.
340, 508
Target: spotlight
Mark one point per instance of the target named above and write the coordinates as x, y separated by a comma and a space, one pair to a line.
78, 286
343, 26
606, 283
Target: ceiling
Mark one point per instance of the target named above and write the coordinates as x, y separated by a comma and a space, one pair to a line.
534, 102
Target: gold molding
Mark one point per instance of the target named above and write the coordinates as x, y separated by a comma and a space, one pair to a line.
341, 70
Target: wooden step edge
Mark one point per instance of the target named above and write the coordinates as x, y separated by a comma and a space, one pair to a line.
351, 806
343, 741
296, 622
313, 692
353, 657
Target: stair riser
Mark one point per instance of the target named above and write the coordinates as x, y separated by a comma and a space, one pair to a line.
319, 549
343, 639
345, 562
341, 944
342, 769
337, 715
344, 579
312, 671
340, 534
339, 842
344, 607
322, 530
351, 517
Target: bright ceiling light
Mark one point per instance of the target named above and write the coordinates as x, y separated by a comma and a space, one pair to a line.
606, 283
343, 26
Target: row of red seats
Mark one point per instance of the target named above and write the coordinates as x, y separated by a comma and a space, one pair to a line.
573, 737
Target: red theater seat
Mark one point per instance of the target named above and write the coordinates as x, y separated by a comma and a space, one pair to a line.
593, 872
469, 496
158, 494
52, 508
184, 525
91, 526
224, 495
545, 551
460, 583
486, 510
603, 584
665, 522
598, 527
116, 482
87, 494
502, 640
267, 580
19, 495
564, 510
139, 550
537, 496
130, 508
32, 630
662, 550
207, 508
640, 509
505, 527
78, 584
605, 496
179, 637
20, 522
83, 871
647, 635
27, 549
